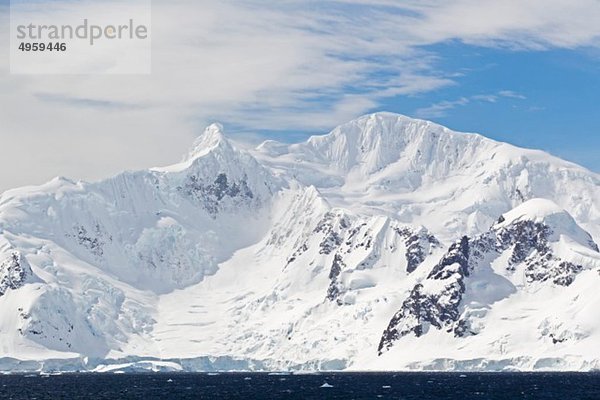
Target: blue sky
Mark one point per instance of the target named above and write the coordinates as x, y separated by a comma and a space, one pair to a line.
552, 105
522, 72
544, 99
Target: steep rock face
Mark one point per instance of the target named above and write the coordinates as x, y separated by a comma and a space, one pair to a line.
210, 195
434, 302
14, 272
418, 246
533, 237
530, 245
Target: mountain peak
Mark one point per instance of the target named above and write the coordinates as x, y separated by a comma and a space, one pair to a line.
388, 116
211, 138
211, 141
375, 141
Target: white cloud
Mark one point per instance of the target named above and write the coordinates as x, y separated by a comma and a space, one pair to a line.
511, 94
292, 64
489, 98
440, 109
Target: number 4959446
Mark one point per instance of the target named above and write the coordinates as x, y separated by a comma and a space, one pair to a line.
43, 46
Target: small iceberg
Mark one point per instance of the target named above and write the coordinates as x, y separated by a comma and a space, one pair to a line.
169, 380
326, 385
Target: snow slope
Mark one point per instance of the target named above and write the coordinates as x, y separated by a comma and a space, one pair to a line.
389, 243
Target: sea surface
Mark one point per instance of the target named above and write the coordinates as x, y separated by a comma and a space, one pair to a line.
421, 386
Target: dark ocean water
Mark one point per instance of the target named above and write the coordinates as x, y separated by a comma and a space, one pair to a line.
422, 386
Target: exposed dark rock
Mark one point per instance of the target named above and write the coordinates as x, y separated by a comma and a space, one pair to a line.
94, 244
344, 235
458, 253
335, 287
211, 194
463, 328
557, 340
332, 226
561, 273
353, 233
525, 236
530, 246
418, 246
416, 307
440, 306
14, 272
302, 249
424, 308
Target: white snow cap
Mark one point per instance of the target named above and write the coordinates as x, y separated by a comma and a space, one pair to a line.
536, 210
552, 215
212, 137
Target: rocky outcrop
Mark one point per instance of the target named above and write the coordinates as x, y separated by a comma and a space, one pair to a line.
14, 272
348, 243
436, 301
529, 242
430, 304
210, 194
335, 287
332, 227
418, 246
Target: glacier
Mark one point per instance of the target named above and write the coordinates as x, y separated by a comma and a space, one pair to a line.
390, 243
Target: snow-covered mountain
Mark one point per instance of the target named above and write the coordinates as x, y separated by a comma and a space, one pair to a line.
389, 243
425, 174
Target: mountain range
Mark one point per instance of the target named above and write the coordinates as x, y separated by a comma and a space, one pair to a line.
389, 243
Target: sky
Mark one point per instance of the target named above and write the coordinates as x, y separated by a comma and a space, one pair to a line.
527, 73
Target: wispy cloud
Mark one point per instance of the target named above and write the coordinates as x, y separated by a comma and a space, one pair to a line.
441, 109
293, 64
489, 98
511, 94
